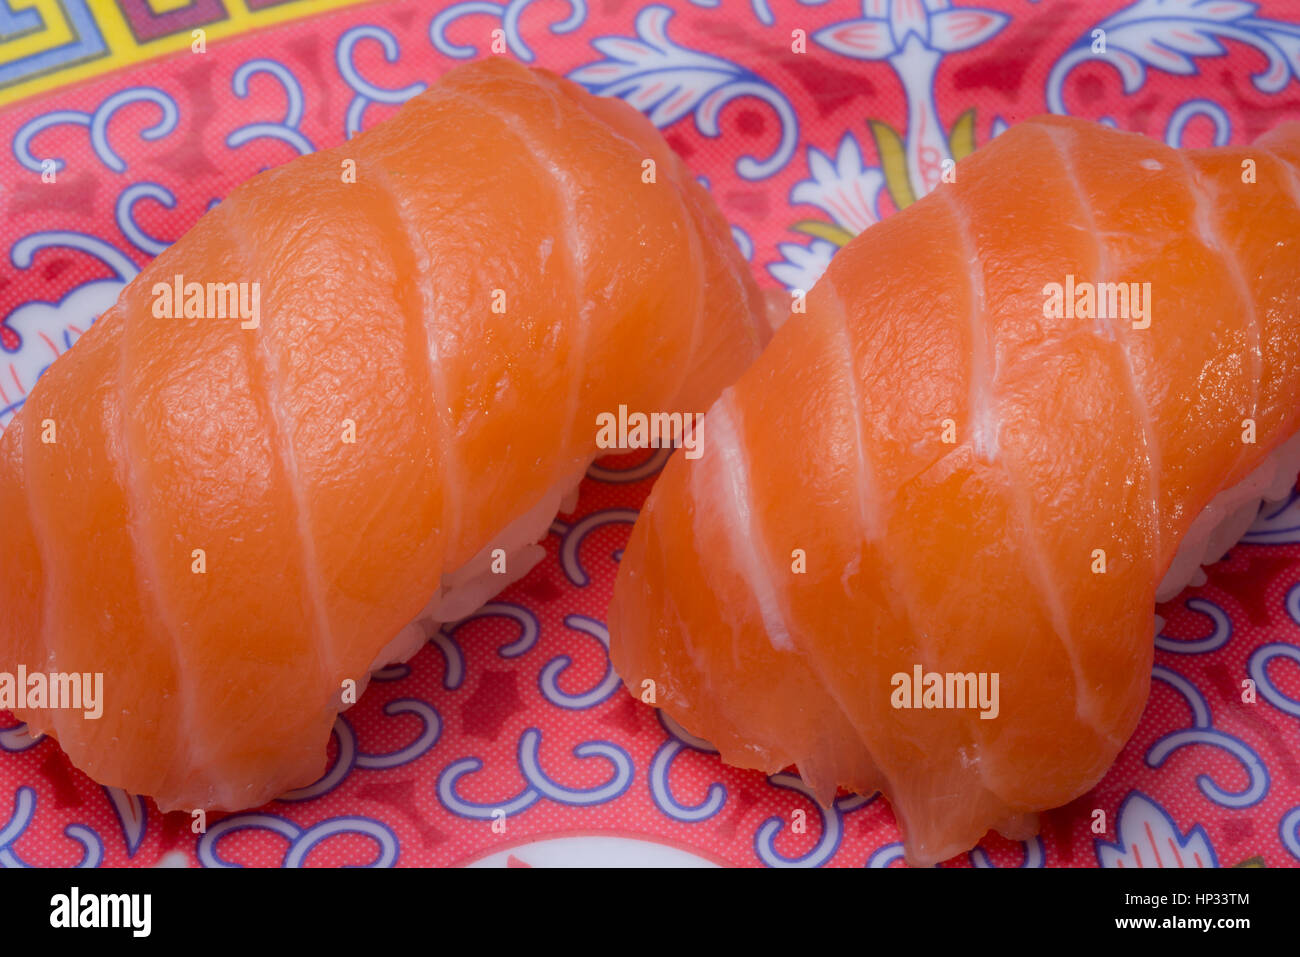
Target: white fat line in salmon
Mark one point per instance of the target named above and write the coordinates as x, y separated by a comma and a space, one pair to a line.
1098, 300
179, 299
931, 689
653, 430
53, 691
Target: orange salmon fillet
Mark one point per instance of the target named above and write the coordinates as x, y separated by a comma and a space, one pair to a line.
1069, 437
379, 309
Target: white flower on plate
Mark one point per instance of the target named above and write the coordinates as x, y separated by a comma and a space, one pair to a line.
47, 330
803, 265
846, 189
1149, 837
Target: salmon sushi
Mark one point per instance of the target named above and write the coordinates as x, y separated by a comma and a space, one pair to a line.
920, 549
235, 512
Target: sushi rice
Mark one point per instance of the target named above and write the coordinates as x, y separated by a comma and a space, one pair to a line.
474, 584
1226, 518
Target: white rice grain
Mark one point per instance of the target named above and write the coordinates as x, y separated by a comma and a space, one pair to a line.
467, 588
1229, 514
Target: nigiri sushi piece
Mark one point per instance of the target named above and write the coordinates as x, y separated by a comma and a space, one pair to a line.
235, 520
919, 549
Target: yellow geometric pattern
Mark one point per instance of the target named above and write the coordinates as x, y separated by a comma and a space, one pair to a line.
122, 48
167, 6
56, 33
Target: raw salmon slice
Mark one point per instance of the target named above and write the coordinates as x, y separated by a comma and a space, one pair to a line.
937, 471
237, 518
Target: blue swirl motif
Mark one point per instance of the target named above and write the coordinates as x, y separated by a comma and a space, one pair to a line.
538, 784
301, 840
131, 815
18, 738
1169, 35
1277, 523
886, 855
1289, 831
549, 678
394, 672
1035, 855
509, 14
1204, 732
1217, 638
350, 756
445, 639
743, 243
1293, 603
667, 81
661, 767
832, 826
573, 536
92, 848
125, 215
1215, 113
762, 9
651, 466
286, 131
1258, 664
97, 122
454, 673
24, 251
367, 92
1145, 824
47, 330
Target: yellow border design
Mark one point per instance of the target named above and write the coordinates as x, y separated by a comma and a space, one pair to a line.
124, 51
